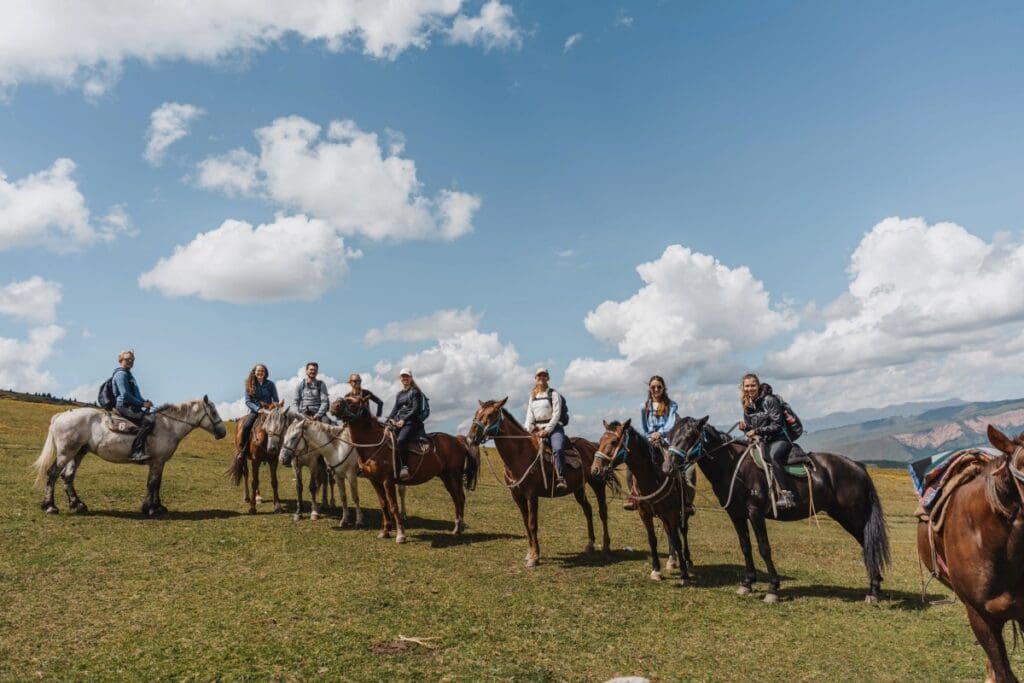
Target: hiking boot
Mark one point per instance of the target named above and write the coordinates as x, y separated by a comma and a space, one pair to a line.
138, 456
560, 483
403, 473
630, 504
785, 500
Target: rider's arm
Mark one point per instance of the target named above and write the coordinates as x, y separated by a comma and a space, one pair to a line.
670, 419
273, 391
531, 421
373, 397
556, 411
325, 400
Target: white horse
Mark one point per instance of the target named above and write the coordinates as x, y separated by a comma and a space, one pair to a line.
307, 439
76, 432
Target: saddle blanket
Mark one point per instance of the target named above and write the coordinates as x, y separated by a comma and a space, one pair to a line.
797, 470
119, 425
572, 457
932, 475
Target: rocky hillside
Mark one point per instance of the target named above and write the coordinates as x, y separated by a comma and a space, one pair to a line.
901, 437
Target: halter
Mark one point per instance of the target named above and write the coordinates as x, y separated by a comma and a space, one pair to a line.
1016, 473
490, 431
621, 452
699, 450
206, 414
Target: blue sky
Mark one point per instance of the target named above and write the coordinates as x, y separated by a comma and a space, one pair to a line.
770, 142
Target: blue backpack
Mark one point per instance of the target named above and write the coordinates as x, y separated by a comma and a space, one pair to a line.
424, 407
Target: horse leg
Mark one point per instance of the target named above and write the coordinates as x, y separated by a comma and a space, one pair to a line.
273, 484
855, 527
153, 507
385, 532
602, 511
453, 482
765, 548
677, 534
524, 511
343, 499
743, 534
588, 512
990, 637
353, 486
255, 497
55, 470
298, 491
75, 504
401, 496
533, 510
316, 479
392, 499
652, 540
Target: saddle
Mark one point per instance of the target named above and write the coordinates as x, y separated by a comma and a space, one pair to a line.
120, 425
422, 445
572, 456
799, 465
942, 477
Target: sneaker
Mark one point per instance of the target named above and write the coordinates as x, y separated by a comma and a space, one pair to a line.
560, 483
403, 474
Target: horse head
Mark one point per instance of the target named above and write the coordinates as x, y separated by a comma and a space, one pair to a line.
216, 427
486, 421
291, 439
612, 448
349, 409
275, 421
686, 438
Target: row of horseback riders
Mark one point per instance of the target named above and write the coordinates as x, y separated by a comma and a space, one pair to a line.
765, 416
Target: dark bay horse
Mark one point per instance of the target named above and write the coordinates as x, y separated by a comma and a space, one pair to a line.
841, 488
660, 495
528, 477
980, 549
257, 454
450, 459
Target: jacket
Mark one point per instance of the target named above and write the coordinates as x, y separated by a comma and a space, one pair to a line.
407, 405
764, 416
659, 423
126, 391
312, 398
266, 392
544, 413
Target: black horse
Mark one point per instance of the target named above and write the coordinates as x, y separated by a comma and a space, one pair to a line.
841, 488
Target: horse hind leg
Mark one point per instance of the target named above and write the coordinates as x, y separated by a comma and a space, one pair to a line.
765, 549
278, 507
588, 512
990, 637
343, 499
453, 482
255, 497
75, 503
152, 505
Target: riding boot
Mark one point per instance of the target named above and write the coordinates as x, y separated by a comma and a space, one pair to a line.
403, 466
785, 500
138, 453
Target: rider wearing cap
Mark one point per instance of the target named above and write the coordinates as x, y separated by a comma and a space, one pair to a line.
405, 417
543, 417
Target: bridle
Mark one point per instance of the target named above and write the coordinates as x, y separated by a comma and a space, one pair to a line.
206, 414
1017, 475
699, 448
620, 452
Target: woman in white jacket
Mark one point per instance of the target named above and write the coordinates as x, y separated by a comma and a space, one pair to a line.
544, 413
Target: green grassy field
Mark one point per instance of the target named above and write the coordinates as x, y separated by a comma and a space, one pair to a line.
212, 593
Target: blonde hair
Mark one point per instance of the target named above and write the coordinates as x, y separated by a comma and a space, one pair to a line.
744, 399
127, 353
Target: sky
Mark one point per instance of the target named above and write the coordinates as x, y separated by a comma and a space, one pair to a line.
827, 194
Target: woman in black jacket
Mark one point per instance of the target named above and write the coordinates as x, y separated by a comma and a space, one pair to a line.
763, 418
405, 416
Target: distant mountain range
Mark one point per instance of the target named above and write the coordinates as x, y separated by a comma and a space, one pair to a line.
911, 430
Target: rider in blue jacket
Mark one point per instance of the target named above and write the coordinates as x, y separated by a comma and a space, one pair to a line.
129, 404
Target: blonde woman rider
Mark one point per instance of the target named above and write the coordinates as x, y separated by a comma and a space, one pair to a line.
763, 419
543, 417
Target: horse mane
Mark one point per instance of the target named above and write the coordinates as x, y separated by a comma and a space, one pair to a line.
184, 406
995, 486
324, 428
508, 414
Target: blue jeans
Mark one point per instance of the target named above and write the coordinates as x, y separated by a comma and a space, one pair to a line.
558, 440
409, 431
778, 454
243, 444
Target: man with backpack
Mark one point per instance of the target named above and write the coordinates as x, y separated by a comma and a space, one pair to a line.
129, 404
411, 409
547, 415
310, 400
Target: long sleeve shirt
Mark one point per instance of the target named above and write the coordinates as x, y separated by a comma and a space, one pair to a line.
653, 422
126, 391
544, 410
266, 392
312, 398
407, 405
367, 395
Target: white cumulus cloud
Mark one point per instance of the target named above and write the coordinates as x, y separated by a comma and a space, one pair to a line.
293, 258
47, 209
168, 123
691, 313
85, 45
571, 41
21, 360
345, 177
34, 300
437, 325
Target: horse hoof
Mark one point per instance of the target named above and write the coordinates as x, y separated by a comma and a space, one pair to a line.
343, 523
671, 563
51, 510
297, 517
532, 562
259, 499
383, 534
743, 590
589, 549
871, 599
80, 509
655, 575
278, 508
313, 516
400, 538
459, 528
252, 511
683, 582
360, 524
771, 598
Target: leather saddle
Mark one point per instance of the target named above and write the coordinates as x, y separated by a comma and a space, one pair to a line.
572, 456
799, 463
120, 425
422, 445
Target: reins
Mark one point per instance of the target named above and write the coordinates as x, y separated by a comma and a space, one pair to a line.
206, 414
495, 435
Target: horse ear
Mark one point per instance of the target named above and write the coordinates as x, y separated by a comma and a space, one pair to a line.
625, 425
501, 403
1000, 440
205, 399
703, 421
605, 423
480, 402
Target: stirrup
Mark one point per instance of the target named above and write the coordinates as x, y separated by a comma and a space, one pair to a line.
785, 500
403, 473
138, 456
560, 483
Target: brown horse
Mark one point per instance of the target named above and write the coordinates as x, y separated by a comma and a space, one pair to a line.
980, 549
448, 458
528, 477
258, 452
840, 487
665, 496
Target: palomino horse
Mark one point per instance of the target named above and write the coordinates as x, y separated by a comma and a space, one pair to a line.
980, 549
528, 477
660, 495
259, 452
76, 432
447, 457
841, 488
308, 441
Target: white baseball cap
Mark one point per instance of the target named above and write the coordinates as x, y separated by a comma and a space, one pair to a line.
542, 370
405, 371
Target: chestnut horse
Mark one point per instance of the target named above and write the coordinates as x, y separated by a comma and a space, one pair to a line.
660, 495
528, 477
259, 452
449, 458
841, 488
980, 549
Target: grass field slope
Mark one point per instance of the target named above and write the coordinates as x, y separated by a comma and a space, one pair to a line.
212, 593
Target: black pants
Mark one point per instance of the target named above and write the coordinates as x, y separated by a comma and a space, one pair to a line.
778, 454
250, 420
144, 421
409, 431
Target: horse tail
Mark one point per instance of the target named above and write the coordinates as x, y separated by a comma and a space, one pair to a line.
239, 468
472, 462
876, 535
47, 456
